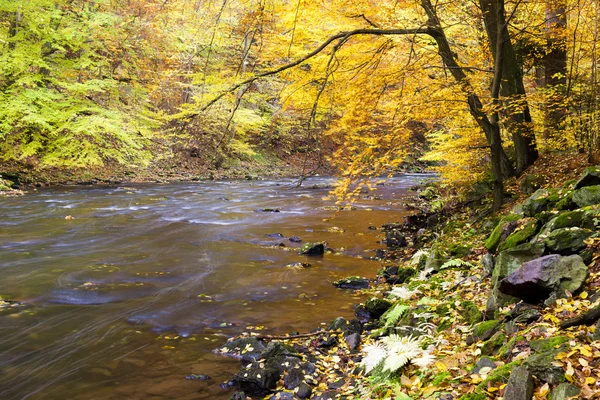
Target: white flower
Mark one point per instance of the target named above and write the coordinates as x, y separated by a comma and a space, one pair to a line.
424, 360
402, 292
376, 353
423, 275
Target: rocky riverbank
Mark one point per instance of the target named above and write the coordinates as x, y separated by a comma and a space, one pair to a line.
464, 308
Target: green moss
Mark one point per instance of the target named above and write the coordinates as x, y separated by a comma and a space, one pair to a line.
506, 350
482, 329
404, 274
440, 378
552, 343
459, 250
494, 239
491, 346
528, 229
473, 396
469, 311
500, 374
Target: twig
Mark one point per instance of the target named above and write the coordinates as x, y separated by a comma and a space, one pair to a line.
587, 318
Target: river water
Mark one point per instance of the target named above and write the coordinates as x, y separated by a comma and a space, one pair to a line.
131, 295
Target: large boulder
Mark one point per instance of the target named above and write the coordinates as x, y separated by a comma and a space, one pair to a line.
507, 262
567, 240
587, 196
312, 249
536, 280
590, 177
257, 379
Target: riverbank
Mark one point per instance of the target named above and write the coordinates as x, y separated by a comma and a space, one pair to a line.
458, 307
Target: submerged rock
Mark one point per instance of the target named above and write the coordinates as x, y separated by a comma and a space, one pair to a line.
352, 283
537, 279
312, 249
257, 379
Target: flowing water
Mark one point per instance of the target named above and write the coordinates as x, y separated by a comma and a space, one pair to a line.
132, 294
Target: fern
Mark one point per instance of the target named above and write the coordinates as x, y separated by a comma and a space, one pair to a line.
393, 315
456, 263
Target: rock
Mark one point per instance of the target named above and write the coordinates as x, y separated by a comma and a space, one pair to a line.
329, 395
531, 183
376, 307
304, 391
361, 313
293, 378
469, 311
282, 396
353, 341
539, 201
257, 379
251, 346
537, 279
275, 235
395, 239
238, 396
520, 385
298, 265
524, 313
484, 331
352, 283
567, 240
340, 323
487, 263
549, 344
507, 262
491, 346
295, 239
564, 391
526, 228
587, 196
590, 177
274, 210
540, 365
484, 362
197, 377
504, 228
312, 249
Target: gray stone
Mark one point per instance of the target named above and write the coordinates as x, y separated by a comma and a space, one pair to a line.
564, 391
540, 365
353, 341
567, 240
304, 391
537, 279
312, 249
487, 263
256, 380
520, 385
539, 201
483, 363
587, 196
590, 177
352, 283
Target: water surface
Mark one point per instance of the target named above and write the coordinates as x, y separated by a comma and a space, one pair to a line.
133, 293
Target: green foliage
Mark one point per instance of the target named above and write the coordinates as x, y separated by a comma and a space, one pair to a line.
394, 314
62, 102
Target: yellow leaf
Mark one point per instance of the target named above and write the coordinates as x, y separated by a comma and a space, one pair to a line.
543, 390
440, 366
590, 381
583, 295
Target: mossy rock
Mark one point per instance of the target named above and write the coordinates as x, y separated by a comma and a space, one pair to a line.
505, 351
566, 203
541, 200
352, 283
404, 274
567, 240
540, 365
484, 330
501, 231
587, 196
376, 307
457, 250
500, 374
470, 313
491, 346
590, 177
312, 249
564, 391
542, 345
527, 229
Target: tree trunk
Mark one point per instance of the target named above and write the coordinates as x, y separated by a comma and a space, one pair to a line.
512, 88
555, 66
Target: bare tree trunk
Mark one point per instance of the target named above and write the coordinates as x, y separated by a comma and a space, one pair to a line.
512, 88
555, 66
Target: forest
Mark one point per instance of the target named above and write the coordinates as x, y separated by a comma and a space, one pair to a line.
487, 283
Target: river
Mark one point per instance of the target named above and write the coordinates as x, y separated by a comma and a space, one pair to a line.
131, 295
